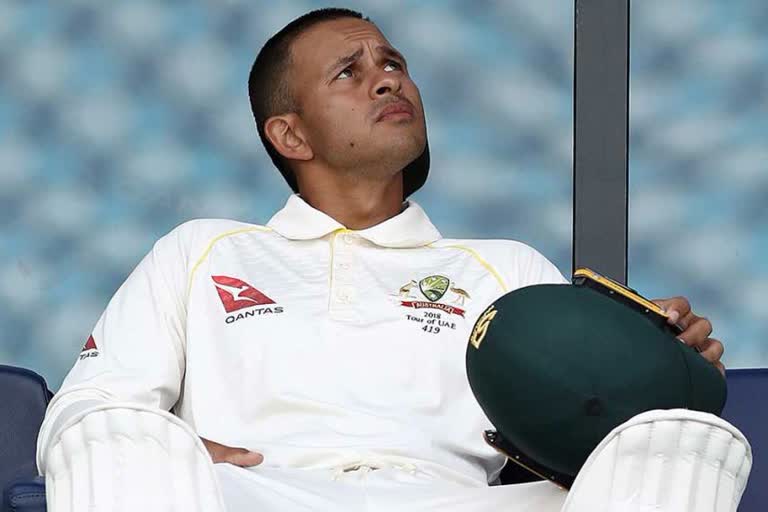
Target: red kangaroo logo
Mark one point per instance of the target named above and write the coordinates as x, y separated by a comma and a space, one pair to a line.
246, 297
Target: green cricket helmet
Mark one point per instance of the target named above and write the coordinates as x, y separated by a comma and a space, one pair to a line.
556, 367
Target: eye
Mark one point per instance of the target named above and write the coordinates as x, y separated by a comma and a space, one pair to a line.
394, 63
341, 74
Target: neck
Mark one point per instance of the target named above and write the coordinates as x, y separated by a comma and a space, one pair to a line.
355, 203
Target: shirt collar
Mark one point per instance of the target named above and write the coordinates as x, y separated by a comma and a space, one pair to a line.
300, 221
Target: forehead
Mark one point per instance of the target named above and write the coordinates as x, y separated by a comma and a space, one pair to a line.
329, 40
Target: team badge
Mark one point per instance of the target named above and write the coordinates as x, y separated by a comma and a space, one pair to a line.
441, 294
434, 287
439, 291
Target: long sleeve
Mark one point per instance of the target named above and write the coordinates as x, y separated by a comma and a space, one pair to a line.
136, 352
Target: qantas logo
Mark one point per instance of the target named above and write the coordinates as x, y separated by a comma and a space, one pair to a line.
236, 294
246, 297
89, 349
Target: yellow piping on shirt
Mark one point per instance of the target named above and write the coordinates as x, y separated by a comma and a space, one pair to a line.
479, 258
213, 242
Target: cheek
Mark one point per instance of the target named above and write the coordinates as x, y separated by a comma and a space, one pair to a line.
336, 120
333, 126
416, 95
343, 120
320, 123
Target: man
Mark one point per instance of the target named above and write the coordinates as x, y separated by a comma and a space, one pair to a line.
320, 357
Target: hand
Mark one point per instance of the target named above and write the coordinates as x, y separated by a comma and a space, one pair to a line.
696, 329
237, 456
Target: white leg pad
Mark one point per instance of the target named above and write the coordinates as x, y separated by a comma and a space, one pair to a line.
665, 461
125, 457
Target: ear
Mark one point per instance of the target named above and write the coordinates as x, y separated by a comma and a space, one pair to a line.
286, 134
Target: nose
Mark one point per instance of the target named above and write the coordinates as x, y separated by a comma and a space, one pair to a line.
385, 83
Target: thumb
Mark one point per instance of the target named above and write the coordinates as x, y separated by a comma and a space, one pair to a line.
244, 458
238, 456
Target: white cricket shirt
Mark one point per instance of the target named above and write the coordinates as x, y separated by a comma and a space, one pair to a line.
308, 342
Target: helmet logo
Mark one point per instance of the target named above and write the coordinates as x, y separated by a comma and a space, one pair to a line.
481, 327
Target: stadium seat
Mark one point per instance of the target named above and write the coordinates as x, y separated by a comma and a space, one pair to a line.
24, 396
747, 409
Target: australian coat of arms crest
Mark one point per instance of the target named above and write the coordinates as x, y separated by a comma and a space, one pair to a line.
433, 288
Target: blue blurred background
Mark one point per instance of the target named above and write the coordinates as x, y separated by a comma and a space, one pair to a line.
120, 120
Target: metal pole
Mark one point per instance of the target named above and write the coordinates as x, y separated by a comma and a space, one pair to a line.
600, 127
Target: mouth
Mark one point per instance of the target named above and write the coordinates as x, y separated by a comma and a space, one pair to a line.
393, 111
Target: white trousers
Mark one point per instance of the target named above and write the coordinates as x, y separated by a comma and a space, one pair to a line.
270, 489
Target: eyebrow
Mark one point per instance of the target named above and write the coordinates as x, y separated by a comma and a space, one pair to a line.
345, 61
350, 59
391, 52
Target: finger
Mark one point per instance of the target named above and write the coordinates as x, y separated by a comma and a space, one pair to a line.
712, 350
675, 304
673, 317
687, 320
720, 367
697, 332
244, 458
238, 456
214, 449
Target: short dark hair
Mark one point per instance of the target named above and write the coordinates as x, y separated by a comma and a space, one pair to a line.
268, 84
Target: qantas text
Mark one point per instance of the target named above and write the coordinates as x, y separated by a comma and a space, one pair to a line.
254, 312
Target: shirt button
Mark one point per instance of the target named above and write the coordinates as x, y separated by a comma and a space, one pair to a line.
343, 266
343, 298
348, 239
